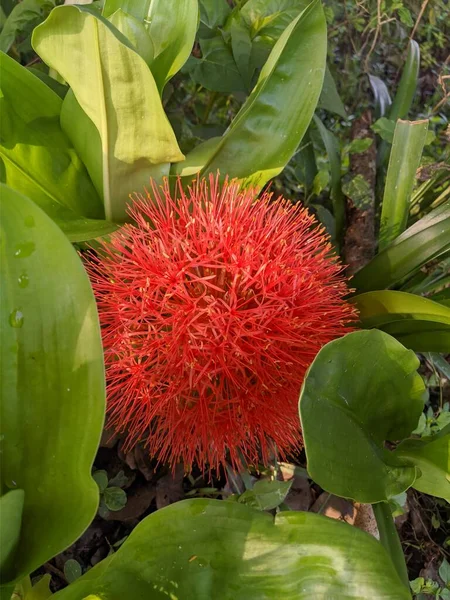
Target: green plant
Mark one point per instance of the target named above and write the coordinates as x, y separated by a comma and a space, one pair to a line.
118, 100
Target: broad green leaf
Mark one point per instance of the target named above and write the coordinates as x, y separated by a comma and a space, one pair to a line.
52, 382
38, 157
360, 391
404, 160
171, 24
136, 32
23, 17
334, 157
418, 323
424, 241
11, 508
432, 456
115, 88
207, 549
270, 125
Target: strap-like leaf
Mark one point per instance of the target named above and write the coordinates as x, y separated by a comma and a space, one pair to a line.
52, 383
425, 240
115, 88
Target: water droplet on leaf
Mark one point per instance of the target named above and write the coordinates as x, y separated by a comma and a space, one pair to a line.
16, 318
25, 250
23, 280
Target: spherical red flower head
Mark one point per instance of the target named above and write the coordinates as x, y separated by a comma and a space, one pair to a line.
212, 305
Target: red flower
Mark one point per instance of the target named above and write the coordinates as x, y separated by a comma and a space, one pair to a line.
210, 318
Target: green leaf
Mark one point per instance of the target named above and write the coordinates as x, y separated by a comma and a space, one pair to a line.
52, 382
424, 241
404, 96
270, 125
101, 479
266, 494
72, 570
206, 549
418, 323
241, 45
217, 69
54, 85
11, 508
359, 145
270, 18
432, 456
359, 191
135, 31
114, 498
22, 18
444, 571
404, 160
334, 157
41, 590
408, 84
329, 96
38, 158
214, 13
171, 24
116, 89
366, 390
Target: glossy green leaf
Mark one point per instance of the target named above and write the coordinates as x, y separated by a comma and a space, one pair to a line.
432, 456
207, 549
404, 160
360, 391
418, 323
171, 24
39, 160
270, 125
52, 382
116, 90
136, 32
424, 241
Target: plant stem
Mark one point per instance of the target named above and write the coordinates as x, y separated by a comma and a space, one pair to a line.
390, 540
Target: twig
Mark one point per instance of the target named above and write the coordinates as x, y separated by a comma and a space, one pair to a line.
419, 18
